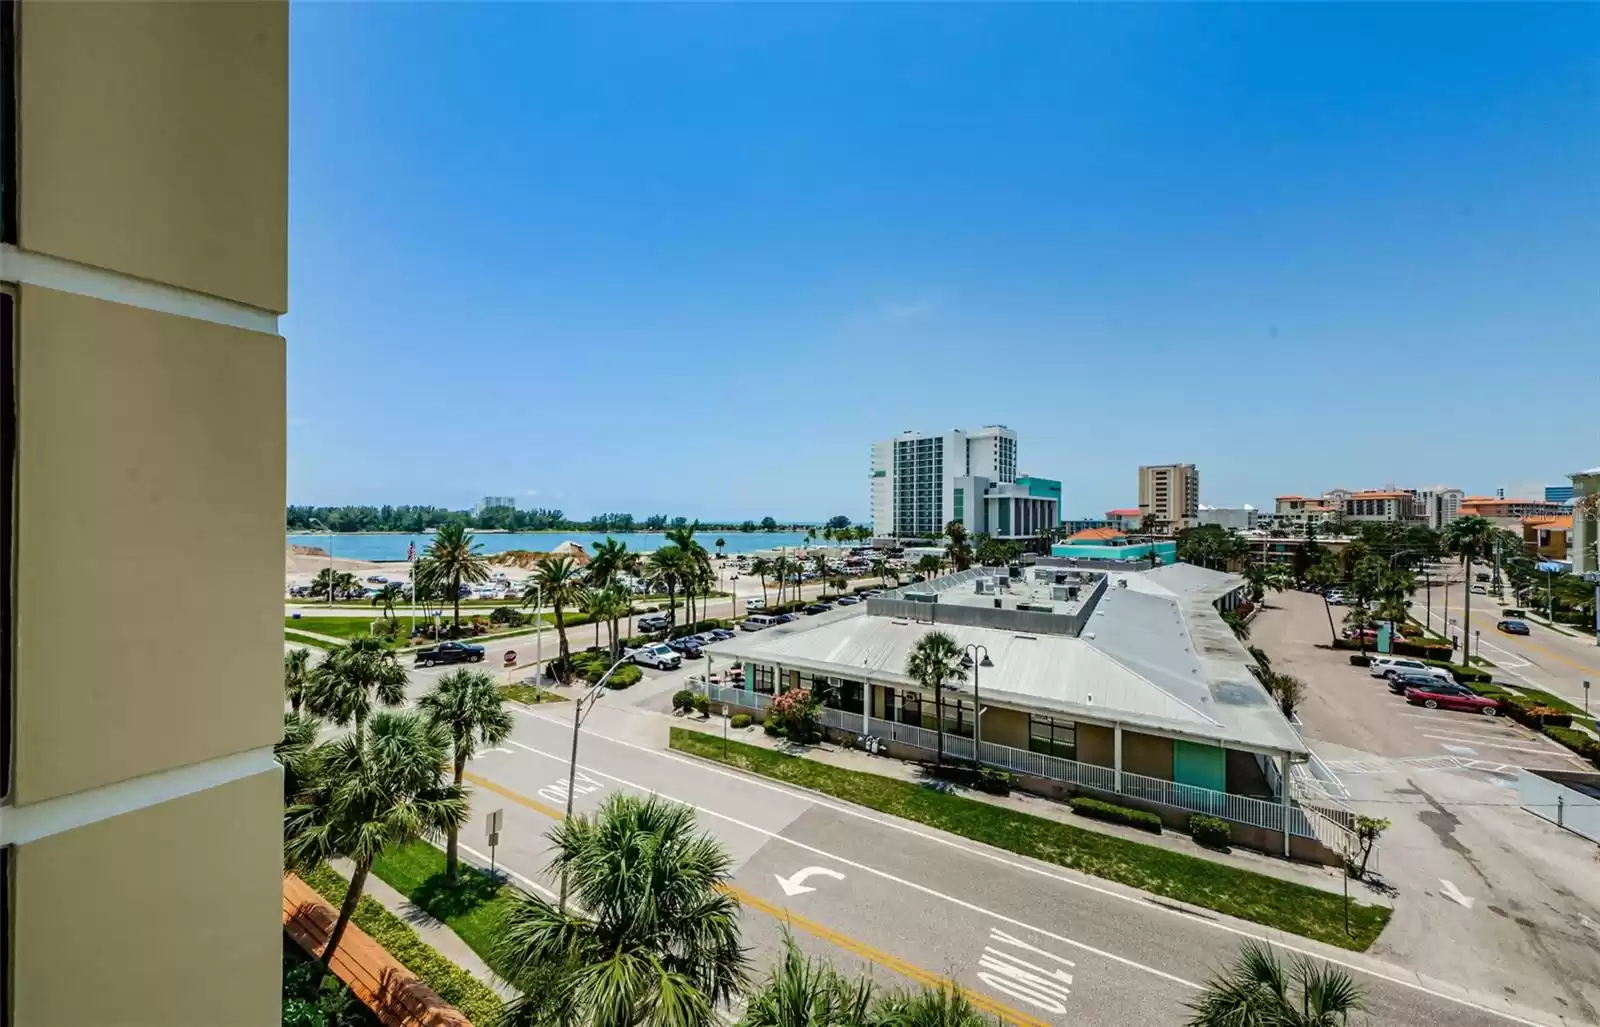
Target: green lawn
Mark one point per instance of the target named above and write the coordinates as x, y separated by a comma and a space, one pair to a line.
530, 694
338, 627
301, 639
472, 907
1302, 910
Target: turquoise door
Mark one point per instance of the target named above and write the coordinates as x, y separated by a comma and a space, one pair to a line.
1204, 766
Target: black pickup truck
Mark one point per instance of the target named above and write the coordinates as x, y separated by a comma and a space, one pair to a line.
449, 652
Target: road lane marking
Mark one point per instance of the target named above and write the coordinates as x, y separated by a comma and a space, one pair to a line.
1046, 987
913, 885
557, 792
879, 957
1451, 892
817, 799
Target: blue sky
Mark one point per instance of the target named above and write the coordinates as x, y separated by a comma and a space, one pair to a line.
694, 259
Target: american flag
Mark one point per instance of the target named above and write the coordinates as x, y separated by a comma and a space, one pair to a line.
411, 551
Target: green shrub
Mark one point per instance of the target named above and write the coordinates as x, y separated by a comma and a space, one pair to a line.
995, 782
1212, 832
770, 728
1260, 656
1548, 716
682, 701
1359, 660
476, 1000
1422, 650
1109, 811
740, 721
506, 615
1465, 675
702, 705
626, 676
1575, 740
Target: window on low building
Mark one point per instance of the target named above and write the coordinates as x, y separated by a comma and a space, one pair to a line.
1053, 737
762, 679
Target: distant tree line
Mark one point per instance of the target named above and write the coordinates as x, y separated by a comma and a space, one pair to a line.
506, 518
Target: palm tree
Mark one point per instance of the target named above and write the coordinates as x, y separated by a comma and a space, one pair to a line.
454, 559
1260, 991
610, 560
959, 550
944, 1006
880, 567
934, 660
559, 582
350, 680
719, 544
608, 604
811, 536
469, 706
370, 792
294, 676
668, 565
651, 936
1468, 539
297, 752
801, 992
1359, 619
387, 595
1324, 574
762, 567
780, 571
819, 563
1394, 590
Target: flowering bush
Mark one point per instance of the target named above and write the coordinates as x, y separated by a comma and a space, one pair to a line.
795, 714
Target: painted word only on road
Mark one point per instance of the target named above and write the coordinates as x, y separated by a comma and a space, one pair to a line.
556, 793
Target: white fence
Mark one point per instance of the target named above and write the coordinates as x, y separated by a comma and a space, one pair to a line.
1560, 804
1239, 808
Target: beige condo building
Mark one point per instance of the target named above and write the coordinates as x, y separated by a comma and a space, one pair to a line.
1171, 494
143, 263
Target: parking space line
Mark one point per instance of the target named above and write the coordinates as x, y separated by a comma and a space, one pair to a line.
1491, 745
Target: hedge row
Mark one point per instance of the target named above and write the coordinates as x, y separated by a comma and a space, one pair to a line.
476, 1000
1212, 832
1097, 810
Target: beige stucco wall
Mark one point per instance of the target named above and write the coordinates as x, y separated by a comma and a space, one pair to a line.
154, 140
1147, 755
161, 917
1096, 745
1006, 727
149, 542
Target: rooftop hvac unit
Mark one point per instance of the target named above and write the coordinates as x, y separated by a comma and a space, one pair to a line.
1061, 577
980, 586
1015, 570
1072, 592
1059, 593
922, 597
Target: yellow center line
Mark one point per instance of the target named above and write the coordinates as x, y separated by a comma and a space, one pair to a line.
872, 955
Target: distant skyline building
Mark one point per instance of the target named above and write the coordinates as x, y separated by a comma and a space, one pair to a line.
920, 482
1557, 493
1171, 494
1234, 518
1436, 505
490, 502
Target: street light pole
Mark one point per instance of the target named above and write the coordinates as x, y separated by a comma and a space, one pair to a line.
587, 700
970, 658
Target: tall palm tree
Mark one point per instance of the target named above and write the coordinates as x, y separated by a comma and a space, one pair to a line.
608, 604
560, 584
294, 676
1467, 538
719, 544
351, 680
386, 597
668, 566
453, 559
370, 792
880, 567
1324, 574
929, 566
762, 566
959, 549
1394, 591
610, 560
819, 563
1258, 990
469, 706
297, 752
934, 660
651, 937
780, 571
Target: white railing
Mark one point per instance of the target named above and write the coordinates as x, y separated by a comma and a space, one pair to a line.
1334, 836
1241, 809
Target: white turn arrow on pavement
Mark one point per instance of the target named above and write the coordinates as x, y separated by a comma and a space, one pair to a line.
1451, 892
795, 884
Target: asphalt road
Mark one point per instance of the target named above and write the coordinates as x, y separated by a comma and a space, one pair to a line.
1032, 942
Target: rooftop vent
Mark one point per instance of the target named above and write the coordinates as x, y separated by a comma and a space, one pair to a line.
922, 597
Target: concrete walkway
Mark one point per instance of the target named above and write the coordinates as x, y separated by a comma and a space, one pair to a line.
1325, 878
436, 933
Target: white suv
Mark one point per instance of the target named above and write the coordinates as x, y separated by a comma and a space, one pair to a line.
1381, 665
659, 656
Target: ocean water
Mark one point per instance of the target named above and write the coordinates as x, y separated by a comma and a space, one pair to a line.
393, 547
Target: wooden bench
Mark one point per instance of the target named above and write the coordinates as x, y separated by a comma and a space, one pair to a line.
396, 996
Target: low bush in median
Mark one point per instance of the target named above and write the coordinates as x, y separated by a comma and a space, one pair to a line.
1297, 908
1114, 814
739, 721
476, 1000
530, 695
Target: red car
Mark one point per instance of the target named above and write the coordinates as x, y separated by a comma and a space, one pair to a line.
1452, 697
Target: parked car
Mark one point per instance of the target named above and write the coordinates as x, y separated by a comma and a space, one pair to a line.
1401, 681
1514, 627
816, 608
720, 634
783, 618
657, 655
848, 600
688, 648
1479, 590
1452, 697
758, 622
654, 622
1481, 576
1335, 599
449, 652
1384, 666
755, 604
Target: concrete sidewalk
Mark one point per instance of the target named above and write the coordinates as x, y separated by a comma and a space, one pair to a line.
435, 933
1326, 878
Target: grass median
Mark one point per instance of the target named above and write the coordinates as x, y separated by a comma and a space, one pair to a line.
472, 906
1297, 908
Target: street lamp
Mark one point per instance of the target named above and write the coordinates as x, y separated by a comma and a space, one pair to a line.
318, 524
583, 702
970, 659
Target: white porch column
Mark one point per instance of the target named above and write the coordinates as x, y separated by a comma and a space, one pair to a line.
866, 708
1283, 787
1116, 754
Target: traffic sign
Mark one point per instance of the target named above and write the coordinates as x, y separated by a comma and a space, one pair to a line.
494, 822
511, 657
